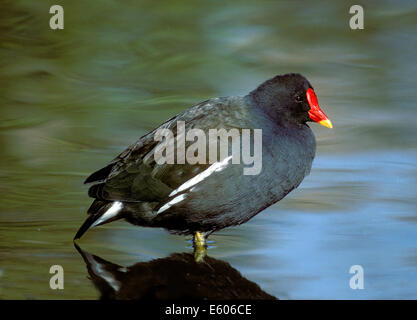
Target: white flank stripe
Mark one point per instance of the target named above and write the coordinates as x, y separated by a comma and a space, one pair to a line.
112, 212
171, 203
217, 166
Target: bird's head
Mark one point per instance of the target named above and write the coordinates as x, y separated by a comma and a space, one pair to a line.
289, 98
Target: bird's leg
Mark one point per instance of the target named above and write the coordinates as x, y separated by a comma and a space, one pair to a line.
200, 246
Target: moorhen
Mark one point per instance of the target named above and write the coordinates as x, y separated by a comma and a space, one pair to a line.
202, 197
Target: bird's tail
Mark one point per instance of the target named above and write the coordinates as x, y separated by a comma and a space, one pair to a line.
101, 212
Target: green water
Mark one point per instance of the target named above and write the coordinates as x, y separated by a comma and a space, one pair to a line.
73, 99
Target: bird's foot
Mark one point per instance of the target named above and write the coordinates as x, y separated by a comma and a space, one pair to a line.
200, 247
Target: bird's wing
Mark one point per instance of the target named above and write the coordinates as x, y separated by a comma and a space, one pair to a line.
134, 175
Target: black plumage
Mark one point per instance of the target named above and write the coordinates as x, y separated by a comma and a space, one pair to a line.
227, 197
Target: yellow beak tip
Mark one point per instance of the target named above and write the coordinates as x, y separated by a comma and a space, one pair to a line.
327, 123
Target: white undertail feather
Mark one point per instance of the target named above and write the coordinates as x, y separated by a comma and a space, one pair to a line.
115, 208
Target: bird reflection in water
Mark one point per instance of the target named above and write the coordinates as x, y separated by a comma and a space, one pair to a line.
178, 276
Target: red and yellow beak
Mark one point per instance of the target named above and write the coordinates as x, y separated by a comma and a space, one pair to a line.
315, 112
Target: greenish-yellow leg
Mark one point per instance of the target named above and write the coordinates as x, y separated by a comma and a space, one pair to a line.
200, 247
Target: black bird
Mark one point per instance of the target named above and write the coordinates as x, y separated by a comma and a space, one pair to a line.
203, 197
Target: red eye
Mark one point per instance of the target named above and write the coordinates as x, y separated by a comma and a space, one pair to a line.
298, 99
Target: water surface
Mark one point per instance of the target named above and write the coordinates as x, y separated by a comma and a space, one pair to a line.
73, 99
